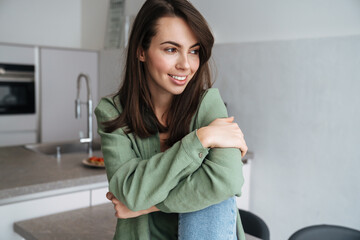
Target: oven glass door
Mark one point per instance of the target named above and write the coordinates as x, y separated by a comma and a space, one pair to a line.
17, 97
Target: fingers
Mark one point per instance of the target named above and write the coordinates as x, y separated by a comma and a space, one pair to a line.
115, 201
117, 207
243, 148
224, 132
229, 119
109, 195
226, 120
222, 121
243, 152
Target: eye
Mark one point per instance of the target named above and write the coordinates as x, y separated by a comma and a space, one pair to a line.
171, 50
195, 51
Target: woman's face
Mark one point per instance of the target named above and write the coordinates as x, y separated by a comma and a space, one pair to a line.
172, 58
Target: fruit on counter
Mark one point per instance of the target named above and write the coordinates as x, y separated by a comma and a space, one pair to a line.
96, 160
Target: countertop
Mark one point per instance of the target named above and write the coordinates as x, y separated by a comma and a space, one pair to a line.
91, 223
27, 175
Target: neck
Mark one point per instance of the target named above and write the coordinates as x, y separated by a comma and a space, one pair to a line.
161, 101
161, 105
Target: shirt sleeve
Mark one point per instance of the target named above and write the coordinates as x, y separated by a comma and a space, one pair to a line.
142, 183
218, 178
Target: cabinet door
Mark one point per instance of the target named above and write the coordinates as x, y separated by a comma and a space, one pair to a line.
59, 69
15, 212
17, 54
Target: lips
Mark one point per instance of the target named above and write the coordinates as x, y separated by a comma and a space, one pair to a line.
180, 78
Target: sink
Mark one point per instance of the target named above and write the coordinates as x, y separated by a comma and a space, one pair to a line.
64, 147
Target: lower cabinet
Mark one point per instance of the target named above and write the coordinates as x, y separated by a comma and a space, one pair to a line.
98, 196
19, 211
17, 138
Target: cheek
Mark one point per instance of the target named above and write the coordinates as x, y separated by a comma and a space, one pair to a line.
195, 63
160, 64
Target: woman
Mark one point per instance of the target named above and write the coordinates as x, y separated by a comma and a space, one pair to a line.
171, 154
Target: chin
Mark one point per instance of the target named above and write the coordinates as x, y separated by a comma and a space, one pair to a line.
178, 91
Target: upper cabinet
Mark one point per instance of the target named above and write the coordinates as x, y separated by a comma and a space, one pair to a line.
16, 54
59, 70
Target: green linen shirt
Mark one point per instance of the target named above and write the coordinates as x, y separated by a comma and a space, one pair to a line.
186, 177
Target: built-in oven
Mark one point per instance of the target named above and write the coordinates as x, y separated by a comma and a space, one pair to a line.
17, 89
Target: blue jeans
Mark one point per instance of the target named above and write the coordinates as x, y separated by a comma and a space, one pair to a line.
217, 222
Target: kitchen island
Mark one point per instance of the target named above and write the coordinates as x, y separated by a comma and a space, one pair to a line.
91, 223
34, 185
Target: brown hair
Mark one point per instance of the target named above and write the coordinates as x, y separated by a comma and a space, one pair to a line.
138, 114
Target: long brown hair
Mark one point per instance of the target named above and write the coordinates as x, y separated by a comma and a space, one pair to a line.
138, 113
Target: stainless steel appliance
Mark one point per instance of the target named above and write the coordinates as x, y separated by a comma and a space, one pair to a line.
17, 89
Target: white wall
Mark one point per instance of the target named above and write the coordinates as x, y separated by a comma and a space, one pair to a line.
93, 20
259, 20
298, 104
41, 22
111, 71
82, 23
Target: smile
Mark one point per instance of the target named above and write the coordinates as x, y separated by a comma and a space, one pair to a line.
178, 77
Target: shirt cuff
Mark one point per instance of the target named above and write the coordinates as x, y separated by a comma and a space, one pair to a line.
193, 147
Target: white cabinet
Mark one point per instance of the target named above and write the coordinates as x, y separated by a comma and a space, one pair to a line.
18, 211
17, 54
14, 212
59, 69
98, 196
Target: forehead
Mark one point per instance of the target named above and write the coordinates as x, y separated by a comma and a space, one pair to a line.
174, 29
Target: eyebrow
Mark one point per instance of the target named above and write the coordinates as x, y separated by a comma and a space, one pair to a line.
178, 45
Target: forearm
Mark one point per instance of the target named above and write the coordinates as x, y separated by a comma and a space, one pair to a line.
216, 180
150, 210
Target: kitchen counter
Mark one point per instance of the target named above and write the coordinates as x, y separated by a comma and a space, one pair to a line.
38, 187
96, 222
29, 175
92, 223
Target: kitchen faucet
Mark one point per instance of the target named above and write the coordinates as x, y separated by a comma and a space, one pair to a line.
78, 103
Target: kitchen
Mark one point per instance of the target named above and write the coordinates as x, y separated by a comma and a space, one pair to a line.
278, 72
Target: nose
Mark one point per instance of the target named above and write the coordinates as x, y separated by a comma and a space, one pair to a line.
183, 62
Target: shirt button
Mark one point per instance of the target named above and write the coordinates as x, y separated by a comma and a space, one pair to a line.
200, 155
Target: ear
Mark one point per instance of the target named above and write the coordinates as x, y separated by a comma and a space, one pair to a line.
141, 54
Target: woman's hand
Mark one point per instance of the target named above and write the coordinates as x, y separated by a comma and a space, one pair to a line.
223, 133
123, 212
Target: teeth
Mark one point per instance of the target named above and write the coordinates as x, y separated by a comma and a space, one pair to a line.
178, 78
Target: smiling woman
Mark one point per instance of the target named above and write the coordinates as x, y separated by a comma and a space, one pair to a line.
171, 153
171, 64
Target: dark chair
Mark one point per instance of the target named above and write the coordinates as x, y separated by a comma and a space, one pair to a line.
254, 225
326, 232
